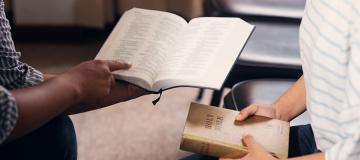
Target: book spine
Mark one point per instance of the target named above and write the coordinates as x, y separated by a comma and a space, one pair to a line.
210, 147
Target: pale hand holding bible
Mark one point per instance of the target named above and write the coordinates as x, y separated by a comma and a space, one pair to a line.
212, 131
166, 51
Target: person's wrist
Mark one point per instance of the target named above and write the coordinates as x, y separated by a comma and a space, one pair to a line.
73, 88
278, 113
49, 76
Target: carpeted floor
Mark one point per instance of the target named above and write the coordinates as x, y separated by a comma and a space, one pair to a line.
129, 130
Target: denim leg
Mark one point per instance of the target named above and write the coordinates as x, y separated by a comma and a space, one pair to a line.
198, 157
302, 141
56, 140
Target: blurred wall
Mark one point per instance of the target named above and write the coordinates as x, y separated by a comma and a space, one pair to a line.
186, 8
124, 5
44, 12
92, 13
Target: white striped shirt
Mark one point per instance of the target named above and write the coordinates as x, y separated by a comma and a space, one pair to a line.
13, 74
329, 46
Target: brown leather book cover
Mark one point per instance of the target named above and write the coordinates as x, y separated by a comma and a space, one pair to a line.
212, 131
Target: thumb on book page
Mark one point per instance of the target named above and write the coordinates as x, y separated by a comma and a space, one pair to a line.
117, 65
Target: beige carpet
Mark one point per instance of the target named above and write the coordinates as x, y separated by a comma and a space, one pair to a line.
129, 130
135, 129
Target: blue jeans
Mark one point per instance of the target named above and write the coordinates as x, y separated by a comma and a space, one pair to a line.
301, 142
55, 140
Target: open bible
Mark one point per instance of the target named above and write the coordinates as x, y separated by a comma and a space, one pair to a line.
166, 51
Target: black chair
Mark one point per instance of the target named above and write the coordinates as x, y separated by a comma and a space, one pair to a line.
268, 8
272, 51
264, 91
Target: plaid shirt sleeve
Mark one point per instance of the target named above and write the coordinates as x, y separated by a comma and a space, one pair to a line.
13, 74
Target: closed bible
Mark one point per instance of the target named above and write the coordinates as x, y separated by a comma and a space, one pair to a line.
212, 131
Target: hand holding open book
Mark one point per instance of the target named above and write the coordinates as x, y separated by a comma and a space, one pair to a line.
166, 51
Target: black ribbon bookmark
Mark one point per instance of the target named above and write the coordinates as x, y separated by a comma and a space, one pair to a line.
154, 102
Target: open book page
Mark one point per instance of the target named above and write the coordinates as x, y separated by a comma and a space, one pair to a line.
205, 53
144, 38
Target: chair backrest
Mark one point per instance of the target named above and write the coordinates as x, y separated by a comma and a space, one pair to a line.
263, 91
272, 8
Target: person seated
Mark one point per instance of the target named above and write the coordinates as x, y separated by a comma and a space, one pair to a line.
34, 107
328, 90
